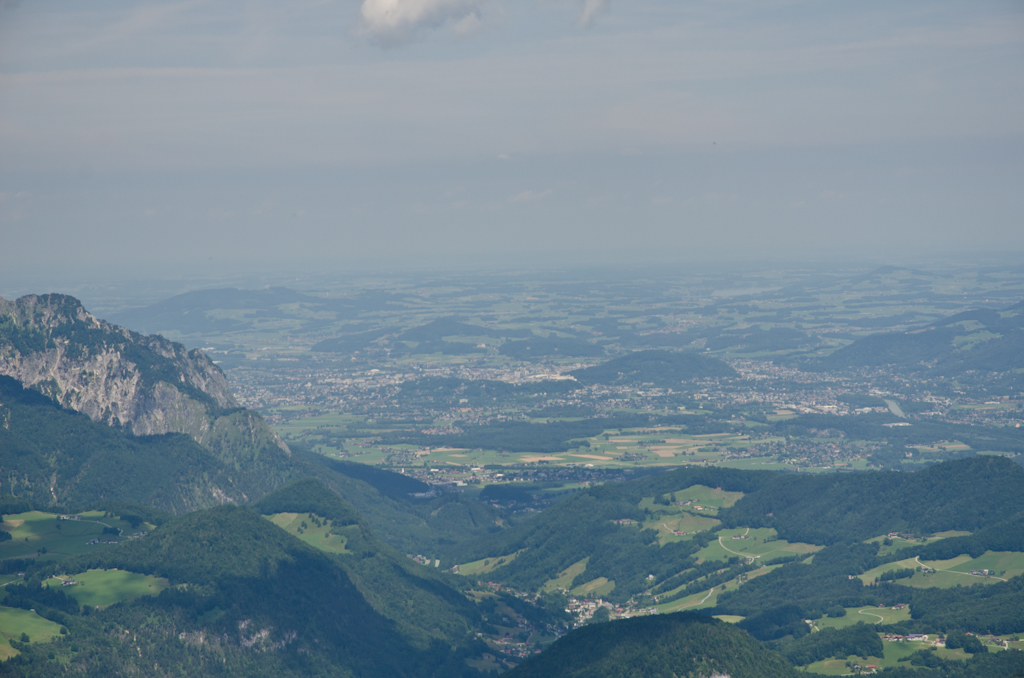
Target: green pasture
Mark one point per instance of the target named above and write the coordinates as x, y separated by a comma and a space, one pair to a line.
15, 621
957, 571
730, 618
34, 531
99, 588
700, 495
899, 543
683, 521
708, 597
595, 587
869, 576
761, 544
323, 537
871, 615
1005, 564
894, 651
566, 576
485, 565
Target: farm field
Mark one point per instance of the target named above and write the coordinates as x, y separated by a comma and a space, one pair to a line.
485, 565
899, 543
698, 496
566, 576
680, 526
957, 571
708, 598
38, 534
305, 527
760, 544
99, 588
614, 448
894, 651
871, 615
869, 576
596, 587
15, 621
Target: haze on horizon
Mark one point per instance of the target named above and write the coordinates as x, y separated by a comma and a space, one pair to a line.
456, 133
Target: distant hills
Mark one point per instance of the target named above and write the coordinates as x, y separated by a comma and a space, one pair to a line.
665, 369
983, 339
191, 313
662, 646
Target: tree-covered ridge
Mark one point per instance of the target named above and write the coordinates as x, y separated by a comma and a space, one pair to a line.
421, 601
1004, 536
662, 646
861, 639
308, 496
52, 456
935, 347
922, 432
967, 494
238, 578
582, 526
666, 369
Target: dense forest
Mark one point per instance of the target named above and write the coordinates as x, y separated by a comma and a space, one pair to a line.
663, 646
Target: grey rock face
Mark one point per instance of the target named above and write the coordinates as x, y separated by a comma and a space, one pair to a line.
143, 384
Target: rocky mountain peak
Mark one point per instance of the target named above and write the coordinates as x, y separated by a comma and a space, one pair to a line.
143, 384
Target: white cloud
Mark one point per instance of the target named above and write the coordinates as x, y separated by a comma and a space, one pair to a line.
397, 21
591, 10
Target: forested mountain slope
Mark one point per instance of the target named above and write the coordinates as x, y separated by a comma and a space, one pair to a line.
50, 455
663, 646
246, 598
966, 494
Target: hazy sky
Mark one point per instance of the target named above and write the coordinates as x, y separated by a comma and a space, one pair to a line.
461, 132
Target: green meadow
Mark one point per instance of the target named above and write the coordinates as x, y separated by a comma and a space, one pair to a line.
709, 597
761, 544
566, 576
305, 527
899, 543
668, 525
44, 535
99, 588
871, 615
595, 587
485, 565
894, 651
15, 621
1002, 565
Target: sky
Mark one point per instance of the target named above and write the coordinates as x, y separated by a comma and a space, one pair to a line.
458, 134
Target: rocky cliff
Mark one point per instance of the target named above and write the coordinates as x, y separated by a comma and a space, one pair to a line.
143, 384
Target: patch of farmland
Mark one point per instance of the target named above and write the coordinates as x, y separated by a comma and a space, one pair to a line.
99, 588
314, 530
485, 565
761, 544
